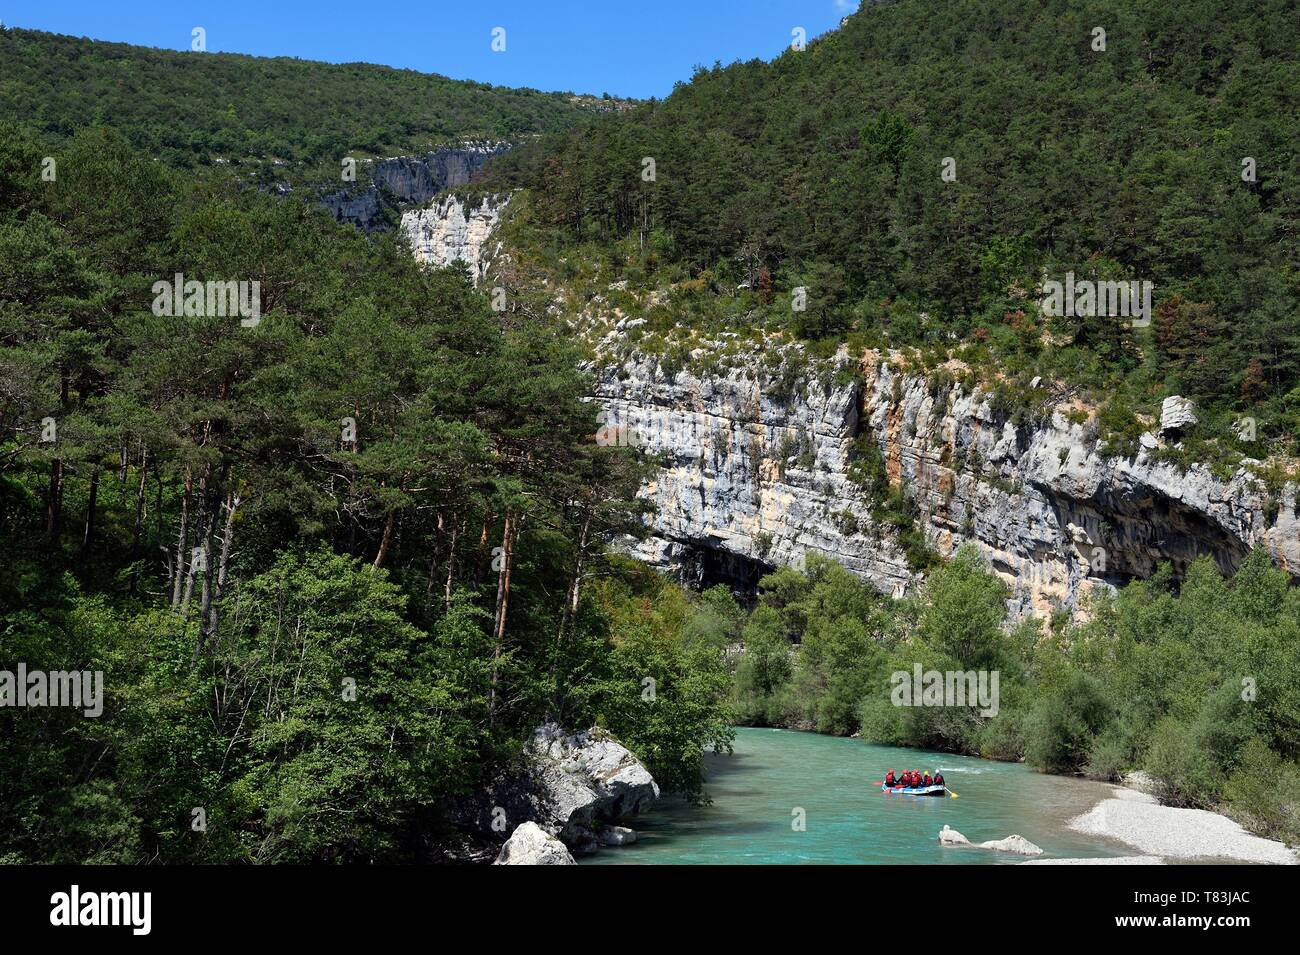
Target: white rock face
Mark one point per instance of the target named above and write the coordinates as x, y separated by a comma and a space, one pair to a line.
1176, 414
530, 844
450, 231
756, 475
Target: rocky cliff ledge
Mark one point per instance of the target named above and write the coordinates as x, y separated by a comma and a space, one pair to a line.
453, 230
757, 474
403, 180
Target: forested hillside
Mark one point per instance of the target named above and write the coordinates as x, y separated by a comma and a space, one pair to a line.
334, 562
920, 173
924, 168
337, 561
190, 109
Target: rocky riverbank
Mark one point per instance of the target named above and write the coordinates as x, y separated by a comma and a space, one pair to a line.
566, 791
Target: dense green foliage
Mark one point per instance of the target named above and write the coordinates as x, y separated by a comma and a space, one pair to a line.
333, 566
189, 109
1197, 687
823, 170
336, 566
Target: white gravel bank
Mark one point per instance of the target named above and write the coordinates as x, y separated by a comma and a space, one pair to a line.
1121, 860
1138, 821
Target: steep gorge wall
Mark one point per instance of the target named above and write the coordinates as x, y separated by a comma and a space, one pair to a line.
454, 230
757, 469
758, 472
408, 180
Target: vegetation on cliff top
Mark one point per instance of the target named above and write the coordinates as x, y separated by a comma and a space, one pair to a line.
823, 170
283, 117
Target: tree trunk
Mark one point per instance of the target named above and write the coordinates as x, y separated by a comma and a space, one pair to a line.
138, 529
88, 535
201, 537
451, 563
575, 582
503, 602
178, 572
386, 539
482, 545
223, 565
54, 502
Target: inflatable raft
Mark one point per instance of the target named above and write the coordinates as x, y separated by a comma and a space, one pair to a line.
915, 790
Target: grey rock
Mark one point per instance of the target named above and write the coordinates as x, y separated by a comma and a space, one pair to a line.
621, 784
406, 180
951, 837
530, 844
1018, 845
1015, 844
1177, 414
757, 475
616, 836
570, 784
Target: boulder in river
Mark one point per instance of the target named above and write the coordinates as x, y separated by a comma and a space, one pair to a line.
951, 837
616, 836
1013, 843
530, 844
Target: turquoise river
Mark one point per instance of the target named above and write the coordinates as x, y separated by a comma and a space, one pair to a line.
757, 790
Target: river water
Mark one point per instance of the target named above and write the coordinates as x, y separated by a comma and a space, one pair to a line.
772, 773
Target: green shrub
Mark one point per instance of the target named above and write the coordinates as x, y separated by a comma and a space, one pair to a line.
1059, 731
1263, 793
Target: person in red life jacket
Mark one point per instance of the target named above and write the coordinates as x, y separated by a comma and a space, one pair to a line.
925, 780
906, 779
938, 779
889, 779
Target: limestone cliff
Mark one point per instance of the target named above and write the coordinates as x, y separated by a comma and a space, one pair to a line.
757, 473
759, 465
404, 180
453, 230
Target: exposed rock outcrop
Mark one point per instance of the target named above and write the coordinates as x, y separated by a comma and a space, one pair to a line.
453, 230
1177, 414
405, 180
1013, 843
762, 465
572, 785
419, 178
530, 844
757, 473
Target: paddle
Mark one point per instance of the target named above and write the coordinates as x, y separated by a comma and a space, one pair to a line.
952, 794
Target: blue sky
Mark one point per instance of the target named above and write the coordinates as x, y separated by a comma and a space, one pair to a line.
624, 47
